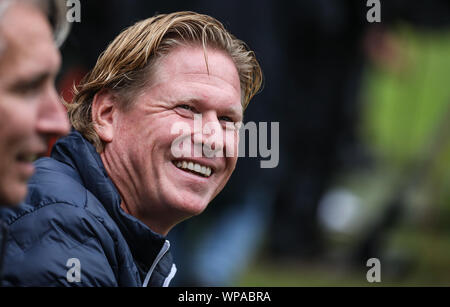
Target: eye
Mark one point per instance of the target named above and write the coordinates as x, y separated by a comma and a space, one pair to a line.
185, 106
185, 109
225, 118
28, 88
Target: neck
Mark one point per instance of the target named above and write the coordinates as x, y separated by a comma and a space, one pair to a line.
133, 201
158, 226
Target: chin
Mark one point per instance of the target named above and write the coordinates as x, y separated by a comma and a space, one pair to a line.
13, 196
190, 206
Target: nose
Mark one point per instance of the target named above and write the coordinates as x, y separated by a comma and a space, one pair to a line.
211, 136
52, 116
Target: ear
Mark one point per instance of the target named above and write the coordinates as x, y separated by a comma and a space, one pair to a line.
103, 109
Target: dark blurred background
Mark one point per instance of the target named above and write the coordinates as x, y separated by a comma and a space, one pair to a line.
364, 167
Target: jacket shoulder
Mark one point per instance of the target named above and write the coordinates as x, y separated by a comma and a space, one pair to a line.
43, 244
60, 224
55, 181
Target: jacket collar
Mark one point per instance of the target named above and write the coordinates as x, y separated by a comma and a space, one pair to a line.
80, 154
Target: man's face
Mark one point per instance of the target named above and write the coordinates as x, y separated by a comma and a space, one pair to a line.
181, 88
30, 110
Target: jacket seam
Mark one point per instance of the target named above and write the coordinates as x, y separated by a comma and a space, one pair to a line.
40, 206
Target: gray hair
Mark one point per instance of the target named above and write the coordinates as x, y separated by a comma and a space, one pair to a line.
55, 10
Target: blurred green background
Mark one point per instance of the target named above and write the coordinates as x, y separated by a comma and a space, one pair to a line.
406, 128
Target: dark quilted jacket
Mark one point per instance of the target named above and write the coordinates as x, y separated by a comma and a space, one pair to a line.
71, 230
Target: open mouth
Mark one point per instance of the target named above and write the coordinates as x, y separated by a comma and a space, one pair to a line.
194, 168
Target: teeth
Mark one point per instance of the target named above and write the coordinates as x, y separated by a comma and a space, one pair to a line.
195, 167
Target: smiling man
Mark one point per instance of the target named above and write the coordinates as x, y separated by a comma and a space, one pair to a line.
153, 184
101, 205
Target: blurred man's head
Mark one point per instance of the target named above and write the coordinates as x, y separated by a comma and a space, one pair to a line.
162, 72
30, 109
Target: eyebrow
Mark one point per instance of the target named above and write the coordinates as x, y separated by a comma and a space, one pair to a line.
32, 82
228, 109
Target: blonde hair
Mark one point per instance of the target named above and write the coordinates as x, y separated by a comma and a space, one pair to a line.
126, 65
